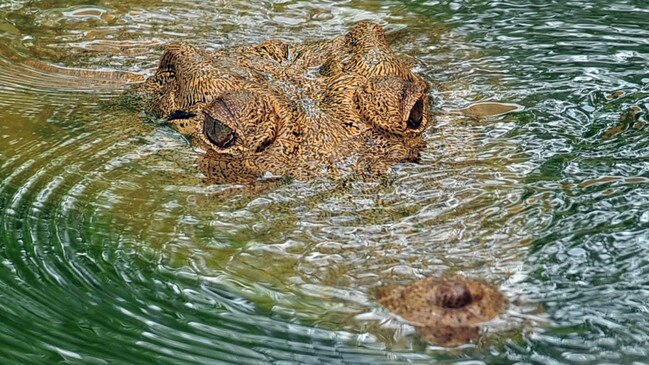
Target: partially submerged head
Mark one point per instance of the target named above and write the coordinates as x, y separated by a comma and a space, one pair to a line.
283, 108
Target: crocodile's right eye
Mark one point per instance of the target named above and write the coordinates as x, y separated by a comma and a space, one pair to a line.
218, 133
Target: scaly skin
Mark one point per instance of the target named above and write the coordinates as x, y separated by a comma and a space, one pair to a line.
300, 110
446, 311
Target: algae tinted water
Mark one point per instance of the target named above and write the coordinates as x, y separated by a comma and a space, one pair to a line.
113, 251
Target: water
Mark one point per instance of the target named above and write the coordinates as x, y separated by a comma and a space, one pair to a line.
113, 251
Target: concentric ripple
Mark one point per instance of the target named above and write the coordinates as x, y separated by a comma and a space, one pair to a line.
113, 250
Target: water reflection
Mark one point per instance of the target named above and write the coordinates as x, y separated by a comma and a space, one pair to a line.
113, 250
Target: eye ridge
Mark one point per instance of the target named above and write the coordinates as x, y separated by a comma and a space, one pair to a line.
218, 133
416, 115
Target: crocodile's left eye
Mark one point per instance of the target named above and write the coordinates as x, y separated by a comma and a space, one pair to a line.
393, 105
218, 133
416, 115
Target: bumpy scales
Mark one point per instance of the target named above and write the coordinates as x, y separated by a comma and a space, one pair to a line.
446, 311
324, 109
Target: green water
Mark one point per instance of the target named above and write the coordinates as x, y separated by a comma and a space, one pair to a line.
113, 251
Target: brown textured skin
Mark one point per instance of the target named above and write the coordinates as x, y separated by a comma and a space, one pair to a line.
324, 109
445, 311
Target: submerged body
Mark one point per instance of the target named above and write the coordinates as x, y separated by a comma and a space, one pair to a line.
346, 105
324, 109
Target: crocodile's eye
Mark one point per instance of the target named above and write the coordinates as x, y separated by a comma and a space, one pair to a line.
217, 132
416, 115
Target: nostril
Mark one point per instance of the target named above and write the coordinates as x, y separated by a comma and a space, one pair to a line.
217, 132
454, 295
416, 115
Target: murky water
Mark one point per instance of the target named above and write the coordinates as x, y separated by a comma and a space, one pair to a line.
112, 250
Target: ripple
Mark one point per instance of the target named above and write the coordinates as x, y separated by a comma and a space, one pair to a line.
112, 250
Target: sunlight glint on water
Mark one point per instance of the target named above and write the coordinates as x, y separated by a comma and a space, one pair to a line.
113, 250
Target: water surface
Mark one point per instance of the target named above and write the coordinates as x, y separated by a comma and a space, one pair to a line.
112, 250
